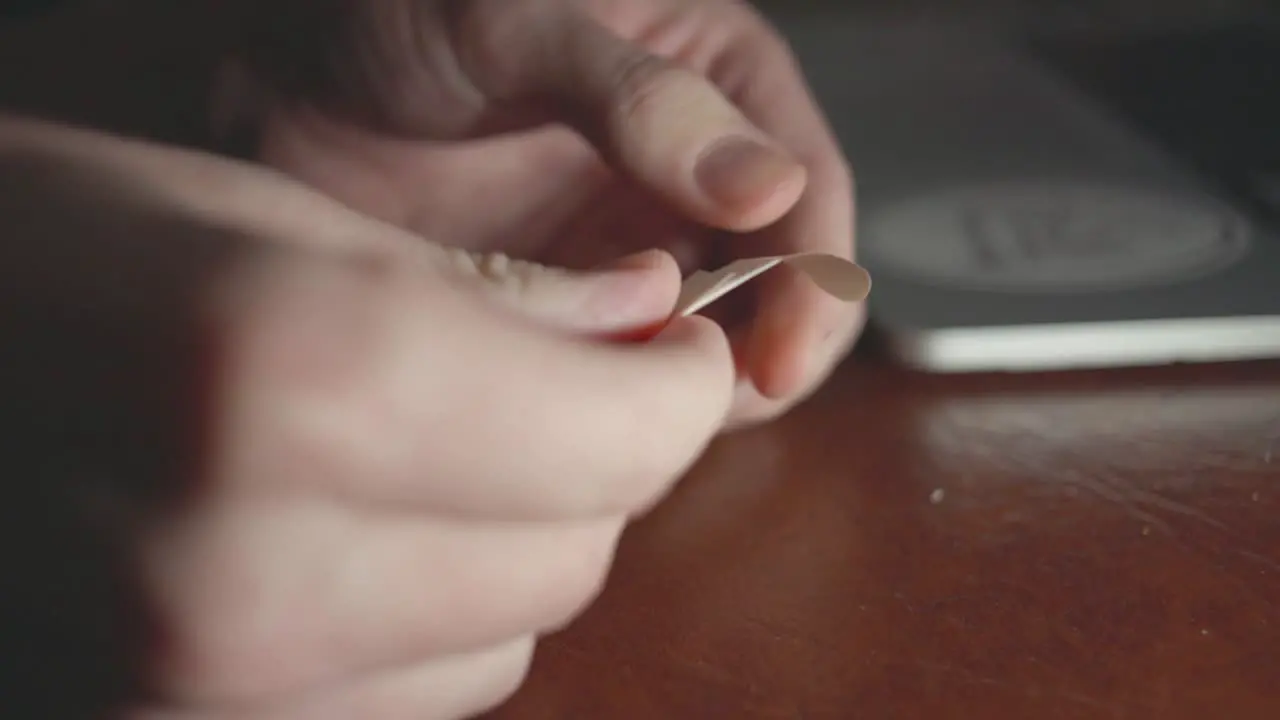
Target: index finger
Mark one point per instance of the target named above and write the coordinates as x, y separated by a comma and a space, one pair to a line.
414, 394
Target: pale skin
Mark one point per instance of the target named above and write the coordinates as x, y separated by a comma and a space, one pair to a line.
652, 86
392, 511
420, 456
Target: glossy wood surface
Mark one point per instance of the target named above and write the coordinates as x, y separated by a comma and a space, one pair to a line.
1091, 545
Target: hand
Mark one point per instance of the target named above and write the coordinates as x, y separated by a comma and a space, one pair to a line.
689, 129
356, 477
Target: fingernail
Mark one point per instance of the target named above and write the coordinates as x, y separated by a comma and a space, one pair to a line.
644, 260
626, 296
739, 173
641, 306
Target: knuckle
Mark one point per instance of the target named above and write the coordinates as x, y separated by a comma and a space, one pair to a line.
277, 304
718, 378
233, 668
642, 85
482, 34
517, 668
224, 583
751, 29
580, 577
383, 62
510, 675
305, 402
655, 459
216, 649
476, 31
770, 43
682, 421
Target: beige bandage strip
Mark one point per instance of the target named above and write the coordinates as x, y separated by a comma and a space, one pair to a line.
834, 275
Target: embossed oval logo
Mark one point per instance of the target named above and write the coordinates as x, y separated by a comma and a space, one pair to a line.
1053, 238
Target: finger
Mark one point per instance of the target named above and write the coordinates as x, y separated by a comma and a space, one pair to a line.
272, 601
751, 407
667, 127
459, 686
622, 221
364, 368
797, 336
637, 292
390, 387
486, 583
634, 292
799, 332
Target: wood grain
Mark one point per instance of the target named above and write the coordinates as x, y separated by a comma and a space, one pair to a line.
1088, 545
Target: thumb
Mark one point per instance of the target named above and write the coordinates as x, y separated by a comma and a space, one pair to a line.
636, 292
668, 128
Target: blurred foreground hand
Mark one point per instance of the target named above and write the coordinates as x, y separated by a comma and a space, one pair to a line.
268, 458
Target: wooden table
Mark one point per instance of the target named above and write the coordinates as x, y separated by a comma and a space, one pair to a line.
1096, 545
